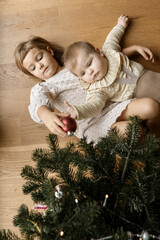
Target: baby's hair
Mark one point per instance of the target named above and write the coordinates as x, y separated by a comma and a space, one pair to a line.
36, 42
71, 52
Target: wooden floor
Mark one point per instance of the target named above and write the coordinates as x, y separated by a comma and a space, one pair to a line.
63, 21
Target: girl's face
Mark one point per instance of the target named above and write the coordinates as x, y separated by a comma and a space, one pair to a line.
90, 67
41, 63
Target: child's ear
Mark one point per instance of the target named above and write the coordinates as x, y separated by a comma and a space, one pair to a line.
50, 51
99, 52
102, 54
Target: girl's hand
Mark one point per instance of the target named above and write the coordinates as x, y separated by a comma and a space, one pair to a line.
70, 110
123, 20
52, 120
54, 124
145, 52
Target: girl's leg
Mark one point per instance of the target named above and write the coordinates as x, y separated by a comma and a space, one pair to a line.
147, 109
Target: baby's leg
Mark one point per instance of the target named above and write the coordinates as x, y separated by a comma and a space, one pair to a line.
147, 109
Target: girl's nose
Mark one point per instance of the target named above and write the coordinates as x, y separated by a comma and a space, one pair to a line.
40, 65
91, 71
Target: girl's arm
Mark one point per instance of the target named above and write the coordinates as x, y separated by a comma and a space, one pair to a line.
52, 120
41, 109
145, 52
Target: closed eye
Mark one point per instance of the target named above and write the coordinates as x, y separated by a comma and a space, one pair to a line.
89, 64
31, 68
39, 56
83, 73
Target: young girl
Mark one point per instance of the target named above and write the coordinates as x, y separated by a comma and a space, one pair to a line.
42, 59
109, 75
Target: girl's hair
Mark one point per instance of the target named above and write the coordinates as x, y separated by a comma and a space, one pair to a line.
36, 42
70, 53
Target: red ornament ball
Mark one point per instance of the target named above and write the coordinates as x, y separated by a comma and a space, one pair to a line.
70, 125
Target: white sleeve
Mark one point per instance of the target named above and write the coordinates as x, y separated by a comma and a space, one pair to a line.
114, 37
40, 95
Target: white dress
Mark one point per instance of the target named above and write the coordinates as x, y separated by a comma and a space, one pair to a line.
65, 86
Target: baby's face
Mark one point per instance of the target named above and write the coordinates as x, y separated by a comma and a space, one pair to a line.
90, 67
41, 63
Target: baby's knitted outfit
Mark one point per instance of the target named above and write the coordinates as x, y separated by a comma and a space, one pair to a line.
119, 82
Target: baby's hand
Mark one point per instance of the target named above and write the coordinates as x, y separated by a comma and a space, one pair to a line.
70, 110
123, 20
145, 52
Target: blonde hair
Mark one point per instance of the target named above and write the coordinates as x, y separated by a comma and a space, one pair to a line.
36, 42
70, 53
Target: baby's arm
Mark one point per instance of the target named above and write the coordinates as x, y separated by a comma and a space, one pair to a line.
145, 52
113, 39
123, 20
52, 120
95, 102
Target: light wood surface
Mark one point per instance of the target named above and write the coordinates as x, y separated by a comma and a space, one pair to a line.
63, 21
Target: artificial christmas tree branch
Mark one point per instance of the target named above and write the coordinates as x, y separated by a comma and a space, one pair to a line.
114, 188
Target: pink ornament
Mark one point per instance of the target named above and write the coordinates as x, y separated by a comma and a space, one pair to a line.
70, 125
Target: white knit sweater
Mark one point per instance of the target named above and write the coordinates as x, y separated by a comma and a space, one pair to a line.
65, 86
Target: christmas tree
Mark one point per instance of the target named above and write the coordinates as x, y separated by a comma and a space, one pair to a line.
108, 190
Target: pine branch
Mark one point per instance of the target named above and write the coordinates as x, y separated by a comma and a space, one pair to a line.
124, 167
133, 135
28, 222
8, 235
